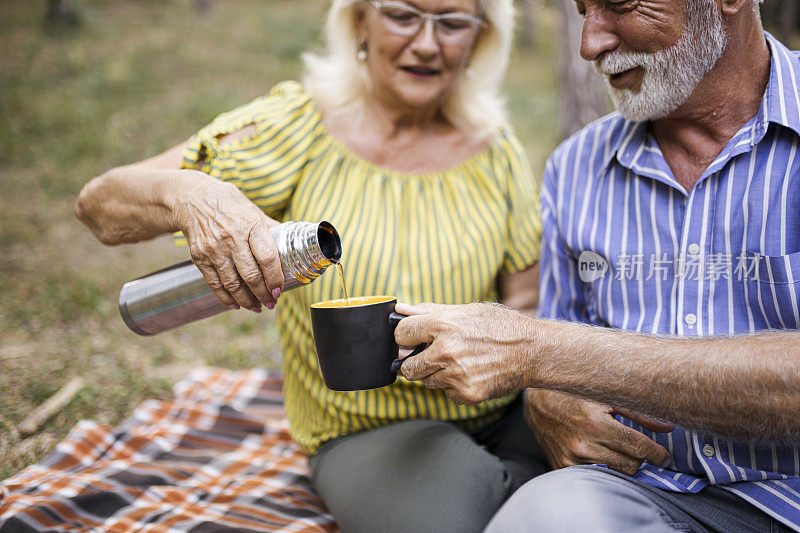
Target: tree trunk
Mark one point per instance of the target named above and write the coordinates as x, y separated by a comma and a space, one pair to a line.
583, 93
61, 12
202, 6
782, 18
527, 17
788, 22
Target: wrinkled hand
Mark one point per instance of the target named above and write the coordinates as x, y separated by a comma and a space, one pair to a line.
473, 353
573, 431
230, 243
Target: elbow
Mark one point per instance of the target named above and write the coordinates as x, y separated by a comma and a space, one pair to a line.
81, 207
87, 201
86, 211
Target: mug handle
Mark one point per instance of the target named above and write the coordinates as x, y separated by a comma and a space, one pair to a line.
395, 319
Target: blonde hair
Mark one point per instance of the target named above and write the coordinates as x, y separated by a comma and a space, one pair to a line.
340, 83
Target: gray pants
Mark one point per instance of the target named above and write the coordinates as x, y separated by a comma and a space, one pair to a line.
592, 498
425, 475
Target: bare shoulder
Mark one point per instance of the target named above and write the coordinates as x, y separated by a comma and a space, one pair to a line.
173, 158
168, 159
233, 137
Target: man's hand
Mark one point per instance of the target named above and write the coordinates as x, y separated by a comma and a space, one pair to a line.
475, 351
573, 431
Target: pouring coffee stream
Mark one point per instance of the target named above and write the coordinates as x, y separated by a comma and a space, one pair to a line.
340, 268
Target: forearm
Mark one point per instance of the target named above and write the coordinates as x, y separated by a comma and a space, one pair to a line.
743, 387
520, 290
131, 204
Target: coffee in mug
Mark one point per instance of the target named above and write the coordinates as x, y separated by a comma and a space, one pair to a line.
352, 302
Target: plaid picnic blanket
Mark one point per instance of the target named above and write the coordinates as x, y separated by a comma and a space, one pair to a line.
217, 457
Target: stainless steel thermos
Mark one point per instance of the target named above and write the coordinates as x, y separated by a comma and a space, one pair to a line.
179, 294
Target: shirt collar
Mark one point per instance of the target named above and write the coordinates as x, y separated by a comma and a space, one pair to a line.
780, 104
622, 135
781, 101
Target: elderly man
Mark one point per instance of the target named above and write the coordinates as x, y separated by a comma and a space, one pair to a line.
672, 233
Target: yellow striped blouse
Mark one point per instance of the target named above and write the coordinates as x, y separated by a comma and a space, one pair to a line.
442, 237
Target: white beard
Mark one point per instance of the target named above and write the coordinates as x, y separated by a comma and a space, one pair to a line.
672, 74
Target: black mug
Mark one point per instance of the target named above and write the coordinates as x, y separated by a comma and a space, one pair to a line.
355, 342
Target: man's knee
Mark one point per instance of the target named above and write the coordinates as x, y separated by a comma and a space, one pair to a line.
578, 499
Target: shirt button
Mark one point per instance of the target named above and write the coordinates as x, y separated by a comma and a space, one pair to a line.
690, 319
694, 248
708, 450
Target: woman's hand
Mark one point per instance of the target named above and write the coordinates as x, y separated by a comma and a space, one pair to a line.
230, 243
228, 235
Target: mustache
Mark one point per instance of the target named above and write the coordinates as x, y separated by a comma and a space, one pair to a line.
616, 62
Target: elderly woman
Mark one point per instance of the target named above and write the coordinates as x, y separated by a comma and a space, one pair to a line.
398, 137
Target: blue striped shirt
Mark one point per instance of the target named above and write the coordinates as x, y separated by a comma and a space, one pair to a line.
625, 246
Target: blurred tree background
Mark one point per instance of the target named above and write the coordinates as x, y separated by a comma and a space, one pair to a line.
782, 18
86, 85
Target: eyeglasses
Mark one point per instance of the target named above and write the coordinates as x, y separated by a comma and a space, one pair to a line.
449, 28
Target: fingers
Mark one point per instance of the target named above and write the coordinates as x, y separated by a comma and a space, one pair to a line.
459, 344
573, 431
241, 273
213, 281
622, 463
259, 267
418, 309
228, 283
233, 283
408, 309
636, 445
265, 252
418, 367
646, 421
435, 381
250, 273
583, 451
414, 330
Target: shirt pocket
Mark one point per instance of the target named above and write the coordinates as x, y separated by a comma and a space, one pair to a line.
773, 291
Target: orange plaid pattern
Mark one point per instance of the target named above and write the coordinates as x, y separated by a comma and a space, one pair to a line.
217, 457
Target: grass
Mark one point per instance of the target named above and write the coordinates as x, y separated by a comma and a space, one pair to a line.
136, 78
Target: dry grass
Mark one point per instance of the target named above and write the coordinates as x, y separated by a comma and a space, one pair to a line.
138, 77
